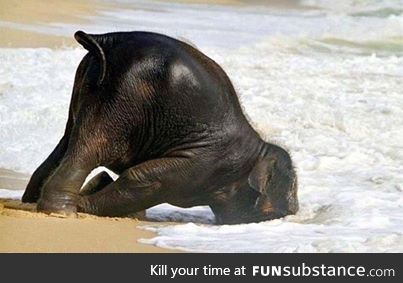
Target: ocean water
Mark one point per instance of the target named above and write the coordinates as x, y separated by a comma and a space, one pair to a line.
323, 79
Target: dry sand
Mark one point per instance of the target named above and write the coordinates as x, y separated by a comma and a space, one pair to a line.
22, 229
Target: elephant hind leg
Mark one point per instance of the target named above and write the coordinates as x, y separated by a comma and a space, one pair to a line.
38, 178
143, 186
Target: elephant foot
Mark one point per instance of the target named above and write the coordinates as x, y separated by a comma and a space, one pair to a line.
29, 198
32, 192
62, 204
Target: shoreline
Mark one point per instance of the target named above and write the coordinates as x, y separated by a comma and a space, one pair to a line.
12, 180
35, 14
26, 23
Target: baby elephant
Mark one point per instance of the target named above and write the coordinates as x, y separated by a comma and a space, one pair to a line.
166, 119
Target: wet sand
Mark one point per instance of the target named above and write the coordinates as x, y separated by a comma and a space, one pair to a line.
13, 38
272, 3
12, 180
44, 12
22, 229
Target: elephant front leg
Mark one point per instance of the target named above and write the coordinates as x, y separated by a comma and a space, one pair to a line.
145, 185
60, 193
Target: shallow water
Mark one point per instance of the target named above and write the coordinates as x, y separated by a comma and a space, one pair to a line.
324, 81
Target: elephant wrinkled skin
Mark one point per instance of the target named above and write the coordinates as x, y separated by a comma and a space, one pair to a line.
167, 120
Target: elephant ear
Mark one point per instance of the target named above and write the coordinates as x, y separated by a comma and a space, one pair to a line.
260, 176
90, 43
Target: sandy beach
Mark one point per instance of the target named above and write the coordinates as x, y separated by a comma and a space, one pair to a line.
25, 230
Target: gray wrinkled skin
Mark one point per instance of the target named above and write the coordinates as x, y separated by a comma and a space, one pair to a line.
167, 120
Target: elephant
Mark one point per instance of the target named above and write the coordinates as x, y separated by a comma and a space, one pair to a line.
167, 120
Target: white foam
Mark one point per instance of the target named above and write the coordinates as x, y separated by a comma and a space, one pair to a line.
11, 194
35, 89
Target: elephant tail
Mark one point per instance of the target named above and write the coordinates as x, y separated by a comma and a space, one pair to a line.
89, 42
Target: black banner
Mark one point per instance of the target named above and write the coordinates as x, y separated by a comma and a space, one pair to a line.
202, 267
